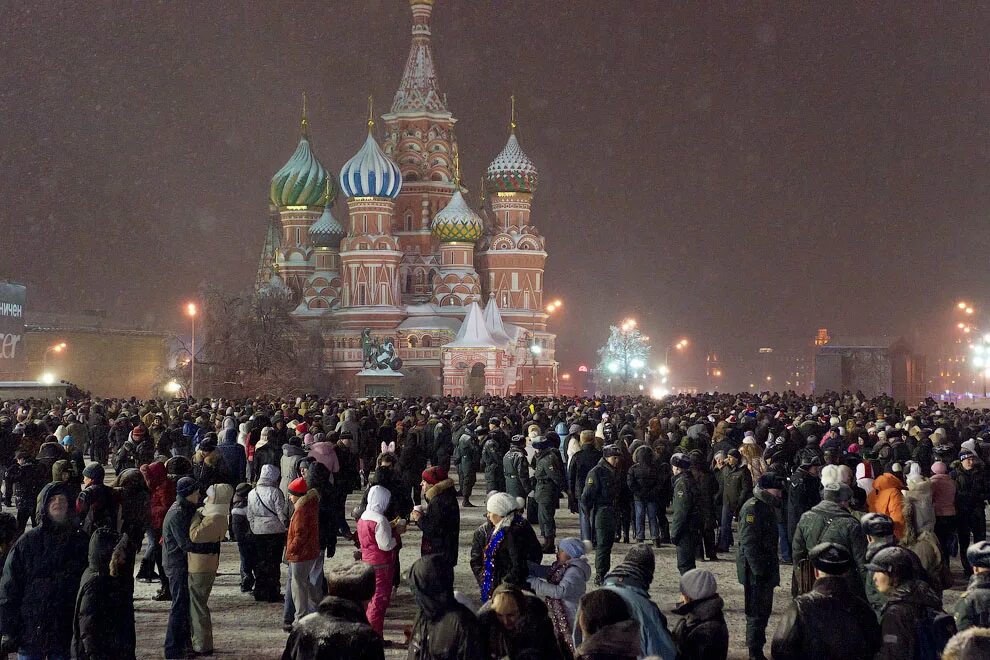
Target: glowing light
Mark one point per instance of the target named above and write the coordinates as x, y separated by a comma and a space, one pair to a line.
978, 361
663, 370
613, 367
659, 392
191, 309
636, 363
967, 329
583, 368
565, 376
969, 310
986, 338
47, 378
962, 304
960, 325
550, 309
535, 349
172, 387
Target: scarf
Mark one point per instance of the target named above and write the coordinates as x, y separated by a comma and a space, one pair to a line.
490, 551
563, 628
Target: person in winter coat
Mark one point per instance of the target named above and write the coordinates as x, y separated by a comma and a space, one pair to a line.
548, 483
577, 476
737, 488
126, 457
413, 458
97, 505
267, 518
339, 628
643, 480
162, 495
562, 584
830, 520
41, 579
131, 492
503, 546
829, 621
803, 492
887, 499
467, 460
972, 489
292, 453
208, 465
302, 548
919, 533
702, 632
599, 498
326, 454
208, 527
444, 629
378, 548
492, 453
438, 517
944, 504
65, 472
233, 457
515, 467
608, 629
909, 602
103, 624
757, 566
631, 580
973, 607
318, 478
240, 529
515, 624
686, 519
266, 452
25, 480
176, 546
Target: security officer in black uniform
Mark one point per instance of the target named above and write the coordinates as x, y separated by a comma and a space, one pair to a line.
973, 607
757, 566
601, 490
685, 522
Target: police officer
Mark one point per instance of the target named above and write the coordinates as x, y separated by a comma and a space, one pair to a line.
601, 490
756, 563
685, 522
515, 467
491, 459
973, 607
467, 455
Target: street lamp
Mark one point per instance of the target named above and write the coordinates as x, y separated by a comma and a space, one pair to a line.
191, 313
681, 345
534, 349
56, 348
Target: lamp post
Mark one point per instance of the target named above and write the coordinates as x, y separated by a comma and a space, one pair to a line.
58, 348
191, 312
681, 345
534, 350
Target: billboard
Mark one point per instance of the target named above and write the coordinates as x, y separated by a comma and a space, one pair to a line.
13, 351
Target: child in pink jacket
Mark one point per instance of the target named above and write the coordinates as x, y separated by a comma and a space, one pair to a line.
378, 548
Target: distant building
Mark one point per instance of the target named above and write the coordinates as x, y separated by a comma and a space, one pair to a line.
873, 365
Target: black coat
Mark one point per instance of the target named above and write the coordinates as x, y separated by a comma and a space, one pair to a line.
827, 622
28, 480
441, 522
444, 629
533, 636
519, 547
104, 618
40, 581
338, 629
803, 492
907, 604
702, 633
644, 478
581, 463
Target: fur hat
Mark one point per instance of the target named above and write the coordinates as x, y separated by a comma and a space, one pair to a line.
877, 524
502, 504
831, 558
355, 582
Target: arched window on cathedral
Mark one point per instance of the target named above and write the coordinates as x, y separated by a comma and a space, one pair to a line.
412, 341
427, 341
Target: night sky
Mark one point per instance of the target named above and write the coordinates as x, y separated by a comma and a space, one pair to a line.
738, 175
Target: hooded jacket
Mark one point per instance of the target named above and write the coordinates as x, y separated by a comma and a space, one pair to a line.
162, 491
613, 642
234, 458
209, 526
444, 628
375, 533
266, 504
103, 624
40, 580
919, 497
702, 632
643, 478
326, 453
573, 584
289, 469
887, 498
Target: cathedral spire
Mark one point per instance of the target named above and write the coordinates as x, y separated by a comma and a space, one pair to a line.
419, 91
304, 124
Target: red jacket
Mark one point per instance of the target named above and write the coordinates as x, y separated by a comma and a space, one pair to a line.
162, 492
303, 541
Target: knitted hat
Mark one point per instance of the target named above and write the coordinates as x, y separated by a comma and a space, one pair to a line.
637, 566
355, 582
831, 558
186, 486
298, 487
734, 453
572, 546
138, 432
938, 467
95, 472
434, 475
67, 441
502, 504
965, 453
308, 439
698, 584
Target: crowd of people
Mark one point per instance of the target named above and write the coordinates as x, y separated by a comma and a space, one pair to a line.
863, 502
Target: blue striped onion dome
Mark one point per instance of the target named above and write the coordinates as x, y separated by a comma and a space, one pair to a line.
457, 222
326, 232
302, 181
370, 173
512, 170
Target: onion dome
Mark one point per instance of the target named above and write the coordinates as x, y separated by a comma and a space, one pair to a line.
370, 173
303, 181
326, 232
457, 222
512, 170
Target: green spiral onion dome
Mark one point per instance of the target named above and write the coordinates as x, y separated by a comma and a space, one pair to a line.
303, 180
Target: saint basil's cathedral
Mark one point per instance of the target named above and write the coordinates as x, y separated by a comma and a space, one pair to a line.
458, 291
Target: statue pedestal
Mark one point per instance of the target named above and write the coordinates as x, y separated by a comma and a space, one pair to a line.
378, 382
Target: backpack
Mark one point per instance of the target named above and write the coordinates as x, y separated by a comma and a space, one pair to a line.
934, 630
